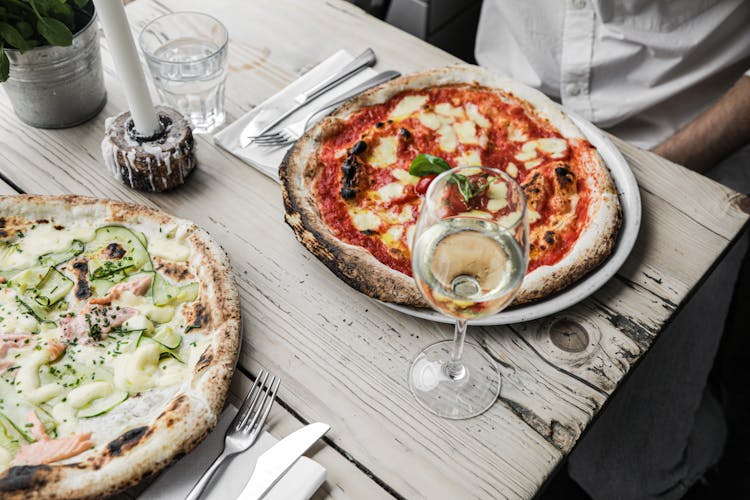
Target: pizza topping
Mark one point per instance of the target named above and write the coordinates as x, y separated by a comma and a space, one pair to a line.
466, 125
384, 153
358, 148
46, 451
82, 290
350, 169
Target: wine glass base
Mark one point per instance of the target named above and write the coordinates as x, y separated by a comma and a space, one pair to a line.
466, 396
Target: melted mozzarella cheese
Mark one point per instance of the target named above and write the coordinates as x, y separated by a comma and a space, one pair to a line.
511, 169
364, 220
552, 146
466, 132
384, 153
447, 138
533, 216
476, 116
430, 120
469, 159
407, 107
169, 248
44, 238
134, 371
498, 191
533, 163
515, 134
404, 177
13, 319
446, 109
392, 237
391, 191
496, 204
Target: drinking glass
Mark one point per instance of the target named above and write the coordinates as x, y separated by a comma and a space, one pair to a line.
469, 257
186, 54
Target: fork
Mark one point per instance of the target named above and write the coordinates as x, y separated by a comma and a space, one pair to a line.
245, 428
294, 131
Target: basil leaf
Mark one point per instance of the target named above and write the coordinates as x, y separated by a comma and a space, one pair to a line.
4, 65
464, 186
424, 165
13, 37
54, 31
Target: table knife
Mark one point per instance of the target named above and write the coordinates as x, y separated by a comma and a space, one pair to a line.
272, 464
362, 61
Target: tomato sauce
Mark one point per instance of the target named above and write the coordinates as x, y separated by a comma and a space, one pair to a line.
371, 124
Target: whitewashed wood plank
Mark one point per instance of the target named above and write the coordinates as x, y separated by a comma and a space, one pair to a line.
346, 357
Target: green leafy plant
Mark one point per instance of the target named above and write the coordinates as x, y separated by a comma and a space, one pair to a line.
25, 24
425, 165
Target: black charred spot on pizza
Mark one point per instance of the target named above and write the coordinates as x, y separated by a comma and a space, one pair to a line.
564, 177
3, 234
58, 227
25, 477
350, 177
82, 289
42, 221
358, 148
379, 125
204, 361
404, 134
368, 232
389, 121
113, 251
550, 237
126, 441
536, 191
174, 270
196, 316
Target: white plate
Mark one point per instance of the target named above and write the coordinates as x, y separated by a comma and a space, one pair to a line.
630, 200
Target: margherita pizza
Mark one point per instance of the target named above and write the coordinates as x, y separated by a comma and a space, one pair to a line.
119, 330
351, 200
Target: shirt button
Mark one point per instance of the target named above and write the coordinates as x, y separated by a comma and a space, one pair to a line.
573, 89
578, 4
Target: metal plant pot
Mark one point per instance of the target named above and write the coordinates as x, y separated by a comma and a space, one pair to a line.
58, 87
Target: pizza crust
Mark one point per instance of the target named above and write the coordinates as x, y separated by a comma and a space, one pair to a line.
357, 266
166, 423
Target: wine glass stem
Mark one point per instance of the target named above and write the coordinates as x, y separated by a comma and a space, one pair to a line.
455, 368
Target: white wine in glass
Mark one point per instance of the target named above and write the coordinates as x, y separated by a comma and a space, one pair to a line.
469, 257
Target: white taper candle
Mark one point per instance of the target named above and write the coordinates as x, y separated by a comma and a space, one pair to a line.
122, 47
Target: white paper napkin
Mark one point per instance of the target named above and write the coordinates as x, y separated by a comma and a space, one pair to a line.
268, 160
299, 483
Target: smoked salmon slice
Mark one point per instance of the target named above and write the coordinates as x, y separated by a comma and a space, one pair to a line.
137, 287
56, 349
37, 427
8, 340
46, 451
94, 322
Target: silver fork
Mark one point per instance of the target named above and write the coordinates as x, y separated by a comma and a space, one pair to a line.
294, 131
245, 428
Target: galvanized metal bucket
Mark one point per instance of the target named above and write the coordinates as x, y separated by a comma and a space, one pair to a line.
57, 87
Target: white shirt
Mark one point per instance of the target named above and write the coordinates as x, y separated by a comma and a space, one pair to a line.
641, 68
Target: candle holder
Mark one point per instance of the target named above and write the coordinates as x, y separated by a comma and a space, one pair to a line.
156, 163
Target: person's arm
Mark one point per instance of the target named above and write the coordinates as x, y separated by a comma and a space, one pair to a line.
714, 134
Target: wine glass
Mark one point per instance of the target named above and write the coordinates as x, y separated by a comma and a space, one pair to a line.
469, 257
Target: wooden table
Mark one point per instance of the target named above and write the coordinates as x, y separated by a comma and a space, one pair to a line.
343, 357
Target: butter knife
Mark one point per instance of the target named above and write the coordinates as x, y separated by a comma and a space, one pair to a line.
362, 61
272, 464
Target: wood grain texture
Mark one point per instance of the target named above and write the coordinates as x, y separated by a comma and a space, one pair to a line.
343, 357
